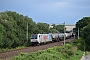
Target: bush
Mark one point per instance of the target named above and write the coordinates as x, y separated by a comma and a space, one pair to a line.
80, 44
67, 52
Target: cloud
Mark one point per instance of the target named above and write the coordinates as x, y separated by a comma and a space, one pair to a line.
51, 6
61, 7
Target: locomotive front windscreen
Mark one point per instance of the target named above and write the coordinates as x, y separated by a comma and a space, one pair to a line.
34, 36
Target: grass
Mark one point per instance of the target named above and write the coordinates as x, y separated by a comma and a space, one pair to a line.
7, 49
67, 52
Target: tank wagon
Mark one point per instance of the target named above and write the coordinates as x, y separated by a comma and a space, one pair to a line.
55, 37
61, 36
51, 37
68, 35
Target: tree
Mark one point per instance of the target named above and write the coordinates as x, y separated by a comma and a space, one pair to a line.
53, 31
43, 27
1, 34
86, 36
15, 29
82, 23
60, 28
57, 28
84, 28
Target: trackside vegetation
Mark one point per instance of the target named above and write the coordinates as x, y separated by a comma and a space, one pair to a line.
8, 49
67, 52
13, 29
84, 32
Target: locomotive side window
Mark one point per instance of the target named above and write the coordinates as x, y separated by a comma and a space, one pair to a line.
34, 36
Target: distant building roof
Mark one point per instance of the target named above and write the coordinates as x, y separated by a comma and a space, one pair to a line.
69, 27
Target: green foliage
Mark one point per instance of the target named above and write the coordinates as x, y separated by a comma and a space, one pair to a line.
57, 28
8, 49
84, 27
13, 29
21, 56
60, 28
14, 33
1, 34
53, 31
82, 23
77, 55
56, 53
86, 36
80, 44
43, 27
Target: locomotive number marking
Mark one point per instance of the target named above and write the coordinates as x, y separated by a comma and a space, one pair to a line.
45, 37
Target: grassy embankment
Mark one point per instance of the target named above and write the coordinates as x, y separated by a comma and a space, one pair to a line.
67, 52
8, 49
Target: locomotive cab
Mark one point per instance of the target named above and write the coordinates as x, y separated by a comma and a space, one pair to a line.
34, 37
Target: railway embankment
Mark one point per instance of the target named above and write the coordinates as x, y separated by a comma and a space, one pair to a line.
9, 54
65, 52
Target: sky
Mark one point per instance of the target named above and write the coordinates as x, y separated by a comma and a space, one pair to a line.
49, 11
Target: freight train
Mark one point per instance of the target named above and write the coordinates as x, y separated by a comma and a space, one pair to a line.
45, 38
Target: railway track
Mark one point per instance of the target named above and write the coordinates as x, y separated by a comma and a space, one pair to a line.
9, 54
